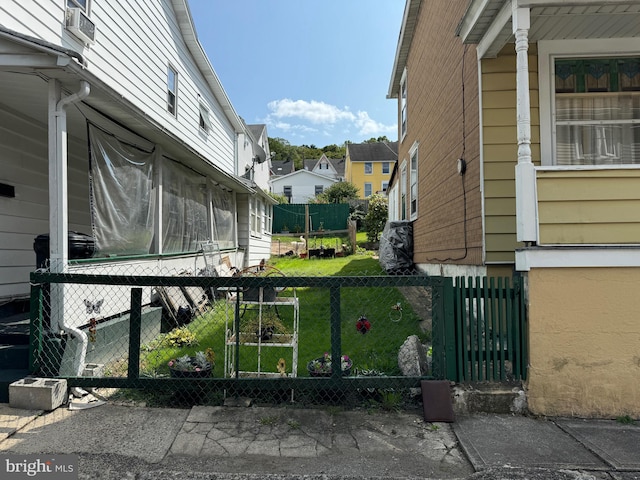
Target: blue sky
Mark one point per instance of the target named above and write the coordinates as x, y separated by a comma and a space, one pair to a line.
316, 72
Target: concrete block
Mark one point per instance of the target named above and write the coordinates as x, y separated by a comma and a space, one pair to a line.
37, 393
93, 370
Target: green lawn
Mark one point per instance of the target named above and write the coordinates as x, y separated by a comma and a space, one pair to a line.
375, 350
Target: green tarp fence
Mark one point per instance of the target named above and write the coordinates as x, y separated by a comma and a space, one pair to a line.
325, 217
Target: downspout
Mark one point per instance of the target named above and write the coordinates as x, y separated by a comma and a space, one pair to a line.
58, 194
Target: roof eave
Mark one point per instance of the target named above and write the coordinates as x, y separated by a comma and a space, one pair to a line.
409, 18
185, 21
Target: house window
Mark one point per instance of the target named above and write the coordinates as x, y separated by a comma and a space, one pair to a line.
367, 190
205, 118
81, 4
403, 191
268, 217
413, 189
368, 168
403, 105
288, 192
319, 189
597, 110
385, 185
254, 217
172, 90
385, 167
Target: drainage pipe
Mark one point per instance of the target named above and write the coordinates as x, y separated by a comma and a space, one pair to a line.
58, 191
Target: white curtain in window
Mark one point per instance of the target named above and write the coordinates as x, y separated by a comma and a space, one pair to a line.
594, 129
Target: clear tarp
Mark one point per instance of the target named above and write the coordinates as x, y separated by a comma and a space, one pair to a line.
184, 208
223, 218
123, 205
122, 195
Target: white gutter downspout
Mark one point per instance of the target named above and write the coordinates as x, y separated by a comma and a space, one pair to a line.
525, 170
58, 212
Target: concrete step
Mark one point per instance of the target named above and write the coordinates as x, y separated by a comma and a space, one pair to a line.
489, 398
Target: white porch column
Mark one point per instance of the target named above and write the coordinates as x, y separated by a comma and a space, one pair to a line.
58, 215
526, 221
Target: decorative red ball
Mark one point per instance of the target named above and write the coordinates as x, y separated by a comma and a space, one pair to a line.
363, 325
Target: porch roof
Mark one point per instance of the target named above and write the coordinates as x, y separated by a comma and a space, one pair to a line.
487, 23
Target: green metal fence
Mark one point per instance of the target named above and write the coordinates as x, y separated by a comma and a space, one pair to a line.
126, 351
485, 331
268, 331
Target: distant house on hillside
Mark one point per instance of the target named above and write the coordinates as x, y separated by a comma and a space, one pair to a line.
329, 167
281, 167
369, 166
301, 186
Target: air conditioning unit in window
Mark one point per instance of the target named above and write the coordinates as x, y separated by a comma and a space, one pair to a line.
81, 25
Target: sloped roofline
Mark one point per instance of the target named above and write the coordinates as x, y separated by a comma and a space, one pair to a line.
280, 177
411, 10
187, 28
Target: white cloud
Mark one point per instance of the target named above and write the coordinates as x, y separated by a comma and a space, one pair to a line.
313, 111
368, 126
303, 115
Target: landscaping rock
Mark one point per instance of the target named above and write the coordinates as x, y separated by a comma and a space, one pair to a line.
412, 358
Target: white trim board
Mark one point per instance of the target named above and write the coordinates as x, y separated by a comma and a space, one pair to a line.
536, 257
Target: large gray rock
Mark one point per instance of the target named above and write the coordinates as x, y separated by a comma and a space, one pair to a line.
412, 358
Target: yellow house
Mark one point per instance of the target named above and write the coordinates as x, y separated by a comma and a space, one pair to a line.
519, 154
369, 166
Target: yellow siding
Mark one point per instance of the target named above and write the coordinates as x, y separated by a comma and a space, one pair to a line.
589, 206
355, 174
583, 342
500, 148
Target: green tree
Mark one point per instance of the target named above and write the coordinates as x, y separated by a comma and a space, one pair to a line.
281, 199
340, 192
376, 217
283, 150
383, 138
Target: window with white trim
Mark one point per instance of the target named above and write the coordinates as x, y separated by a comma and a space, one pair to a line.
597, 110
385, 167
172, 90
205, 118
413, 188
287, 191
403, 104
368, 168
268, 217
385, 185
254, 216
81, 4
367, 189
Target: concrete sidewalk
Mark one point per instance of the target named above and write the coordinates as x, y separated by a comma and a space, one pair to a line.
123, 442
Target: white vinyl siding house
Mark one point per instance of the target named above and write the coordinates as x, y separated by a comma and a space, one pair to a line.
122, 86
301, 184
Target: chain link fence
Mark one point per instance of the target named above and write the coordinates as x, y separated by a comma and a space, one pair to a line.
166, 334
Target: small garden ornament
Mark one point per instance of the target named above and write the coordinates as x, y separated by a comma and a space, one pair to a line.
198, 366
363, 325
